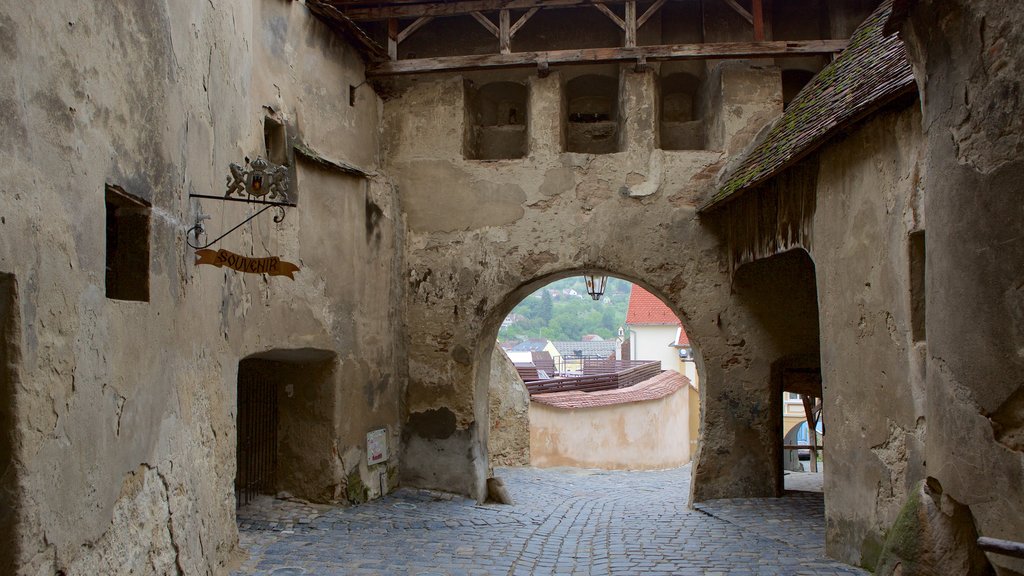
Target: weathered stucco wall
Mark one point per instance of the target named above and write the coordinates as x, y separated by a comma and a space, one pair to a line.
124, 411
483, 234
967, 57
642, 435
869, 199
508, 443
647, 435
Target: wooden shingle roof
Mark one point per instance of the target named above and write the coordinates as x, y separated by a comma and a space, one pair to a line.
872, 72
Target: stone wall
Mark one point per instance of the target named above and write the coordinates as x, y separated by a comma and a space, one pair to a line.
869, 200
967, 57
508, 441
123, 411
484, 234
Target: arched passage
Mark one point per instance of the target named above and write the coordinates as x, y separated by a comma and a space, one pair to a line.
641, 418
455, 315
781, 294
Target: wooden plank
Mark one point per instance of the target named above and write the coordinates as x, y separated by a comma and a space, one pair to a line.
485, 22
608, 12
650, 12
758, 21
710, 50
735, 6
413, 27
371, 11
1004, 547
523, 19
630, 24
504, 38
393, 39
341, 24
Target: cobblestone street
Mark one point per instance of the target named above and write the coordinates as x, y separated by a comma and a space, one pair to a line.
564, 521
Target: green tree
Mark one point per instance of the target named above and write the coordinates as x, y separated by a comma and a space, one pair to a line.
546, 309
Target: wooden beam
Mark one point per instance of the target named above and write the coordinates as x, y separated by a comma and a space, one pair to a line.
504, 38
454, 8
524, 19
630, 24
608, 12
486, 23
739, 10
1004, 547
413, 27
758, 21
340, 23
393, 38
706, 51
650, 12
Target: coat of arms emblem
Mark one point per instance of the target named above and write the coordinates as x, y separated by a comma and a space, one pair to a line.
257, 179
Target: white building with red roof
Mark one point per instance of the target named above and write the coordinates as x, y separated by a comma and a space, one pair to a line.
655, 333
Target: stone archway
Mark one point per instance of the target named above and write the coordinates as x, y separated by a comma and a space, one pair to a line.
480, 233
454, 319
665, 455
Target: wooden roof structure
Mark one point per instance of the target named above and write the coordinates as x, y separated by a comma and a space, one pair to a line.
872, 73
404, 17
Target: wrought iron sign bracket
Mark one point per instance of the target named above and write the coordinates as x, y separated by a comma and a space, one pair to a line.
250, 183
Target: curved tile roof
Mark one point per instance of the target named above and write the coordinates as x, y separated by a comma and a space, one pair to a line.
654, 388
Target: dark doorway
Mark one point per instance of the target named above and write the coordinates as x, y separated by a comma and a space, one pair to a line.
8, 465
257, 433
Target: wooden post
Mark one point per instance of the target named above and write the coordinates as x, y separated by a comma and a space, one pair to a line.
393, 38
630, 24
812, 429
758, 12
504, 42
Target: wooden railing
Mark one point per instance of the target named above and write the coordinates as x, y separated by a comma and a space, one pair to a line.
629, 374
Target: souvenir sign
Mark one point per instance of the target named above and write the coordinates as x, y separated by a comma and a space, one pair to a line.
272, 265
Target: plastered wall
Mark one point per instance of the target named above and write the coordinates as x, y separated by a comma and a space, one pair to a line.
869, 199
124, 411
647, 435
483, 234
967, 59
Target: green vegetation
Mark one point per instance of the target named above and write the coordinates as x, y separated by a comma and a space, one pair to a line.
551, 313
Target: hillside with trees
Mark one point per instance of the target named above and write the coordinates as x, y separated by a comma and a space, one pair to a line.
562, 310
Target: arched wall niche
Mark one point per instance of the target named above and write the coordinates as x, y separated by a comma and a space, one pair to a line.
681, 126
592, 113
496, 120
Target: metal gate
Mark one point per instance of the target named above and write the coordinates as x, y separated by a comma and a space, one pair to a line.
257, 434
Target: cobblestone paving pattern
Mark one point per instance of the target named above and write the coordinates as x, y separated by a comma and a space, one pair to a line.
564, 522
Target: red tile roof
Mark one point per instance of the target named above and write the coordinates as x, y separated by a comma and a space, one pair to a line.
654, 388
682, 339
646, 308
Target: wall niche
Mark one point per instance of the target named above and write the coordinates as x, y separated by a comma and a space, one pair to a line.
681, 128
592, 118
496, 120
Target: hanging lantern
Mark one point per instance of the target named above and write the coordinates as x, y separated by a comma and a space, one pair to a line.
595, 285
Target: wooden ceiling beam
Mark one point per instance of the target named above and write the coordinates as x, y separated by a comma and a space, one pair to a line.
706, 51
486, 23
523, 20
611, 15
650, 12
739, 10
455, 8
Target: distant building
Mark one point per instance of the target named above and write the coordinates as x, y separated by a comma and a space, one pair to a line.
655, 333
574, 353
